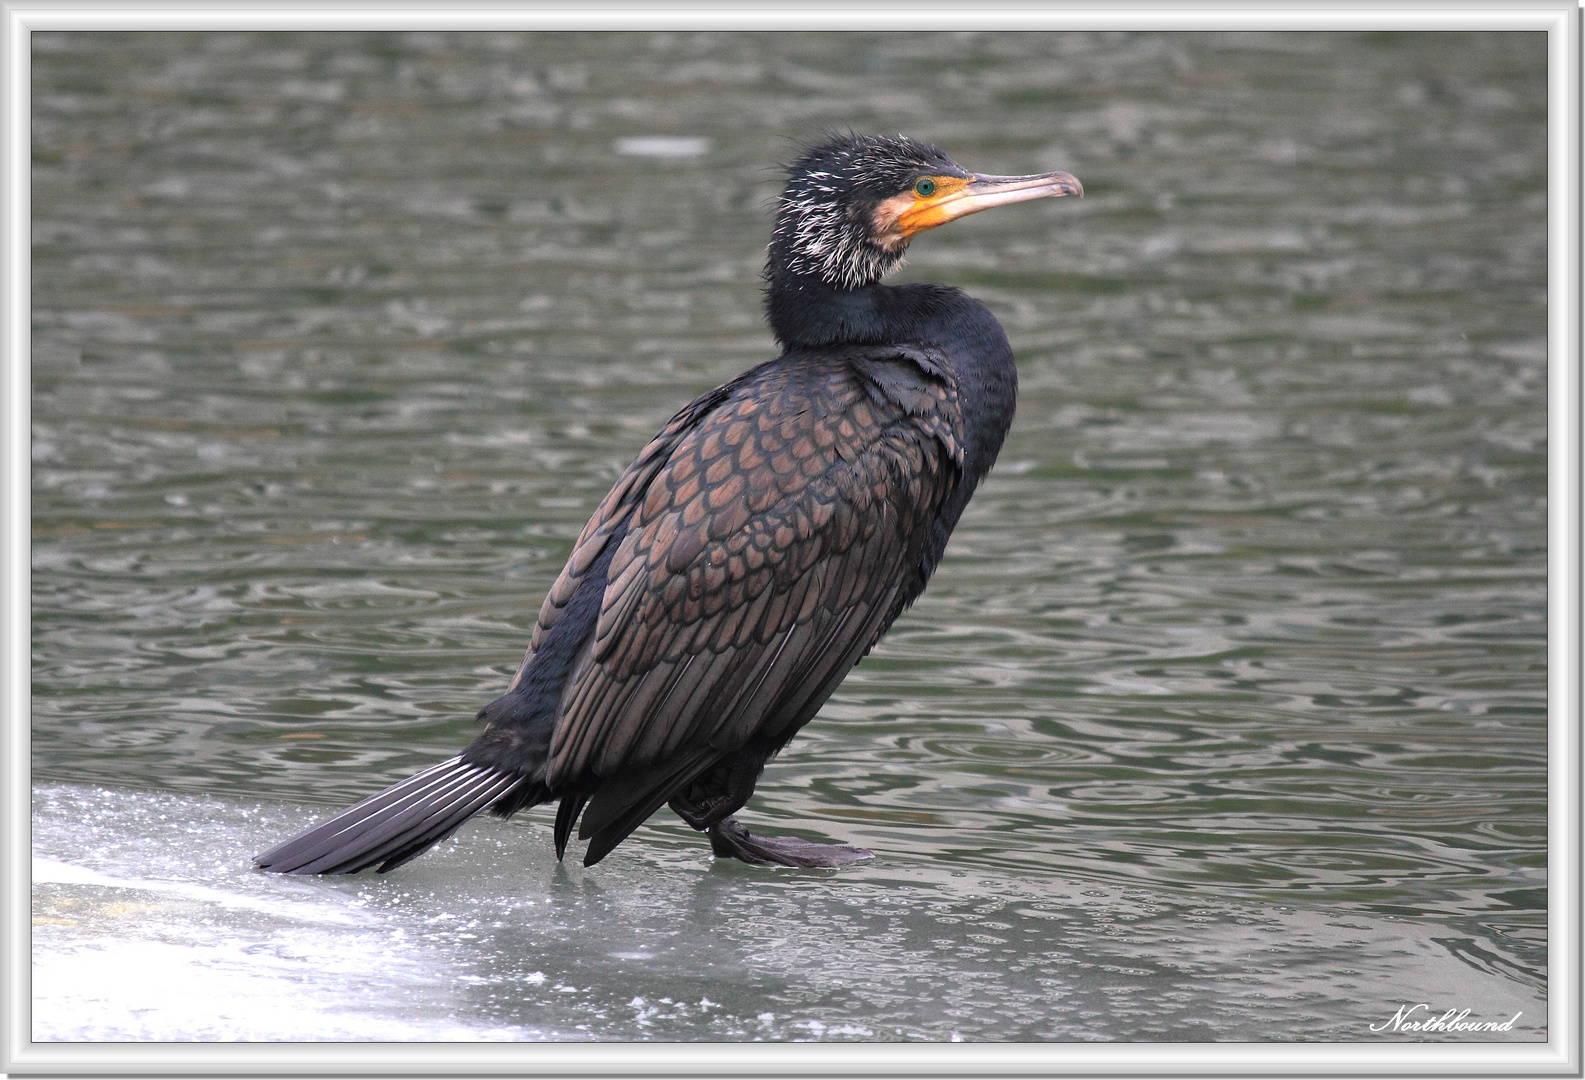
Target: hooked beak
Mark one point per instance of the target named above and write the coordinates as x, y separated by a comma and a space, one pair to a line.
979, 192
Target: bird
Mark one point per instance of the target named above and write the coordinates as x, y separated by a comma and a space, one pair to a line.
755, 550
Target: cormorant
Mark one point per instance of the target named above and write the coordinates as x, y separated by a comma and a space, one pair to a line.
756, 549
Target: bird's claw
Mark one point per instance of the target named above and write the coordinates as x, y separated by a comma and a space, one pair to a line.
730, 840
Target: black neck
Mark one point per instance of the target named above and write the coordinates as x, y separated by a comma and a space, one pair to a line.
805, 312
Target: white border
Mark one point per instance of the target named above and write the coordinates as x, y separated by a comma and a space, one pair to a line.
1561, 1055
803, 15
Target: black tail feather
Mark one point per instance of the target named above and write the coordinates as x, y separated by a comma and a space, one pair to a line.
341, 832
395, 825
626, 800
566, 815
404, 847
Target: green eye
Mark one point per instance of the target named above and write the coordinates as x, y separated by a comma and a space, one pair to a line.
924, 187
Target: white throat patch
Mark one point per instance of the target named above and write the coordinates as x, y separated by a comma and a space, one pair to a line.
823, 239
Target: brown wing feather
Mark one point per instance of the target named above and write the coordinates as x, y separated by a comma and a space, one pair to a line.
613, 510
762, 556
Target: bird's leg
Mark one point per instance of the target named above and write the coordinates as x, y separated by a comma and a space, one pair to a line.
709, 802
722, 791
700, 807
730, 840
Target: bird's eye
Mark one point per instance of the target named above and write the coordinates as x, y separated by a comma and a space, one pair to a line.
924, 187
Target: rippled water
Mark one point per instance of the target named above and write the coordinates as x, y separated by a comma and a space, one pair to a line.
339, 339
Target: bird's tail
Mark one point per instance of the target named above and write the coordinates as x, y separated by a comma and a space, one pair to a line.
401, 822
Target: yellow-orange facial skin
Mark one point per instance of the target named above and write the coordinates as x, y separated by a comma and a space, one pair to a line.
897, 219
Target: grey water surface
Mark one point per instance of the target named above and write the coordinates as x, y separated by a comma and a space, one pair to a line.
1223, 719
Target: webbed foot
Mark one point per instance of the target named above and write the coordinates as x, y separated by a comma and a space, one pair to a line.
730, 840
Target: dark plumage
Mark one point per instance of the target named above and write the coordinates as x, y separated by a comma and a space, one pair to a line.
755, 550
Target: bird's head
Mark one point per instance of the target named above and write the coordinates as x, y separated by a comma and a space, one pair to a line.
853, 202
